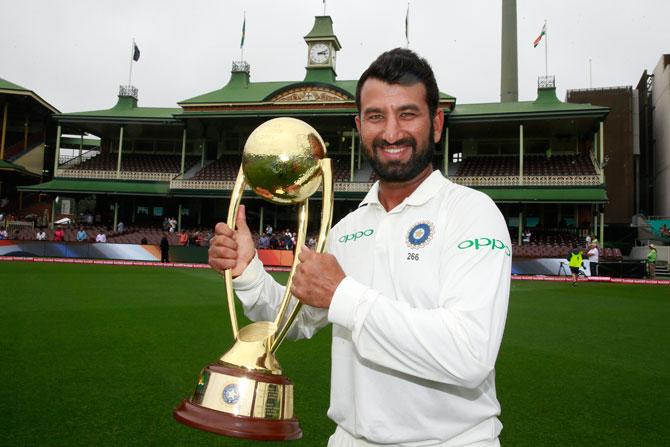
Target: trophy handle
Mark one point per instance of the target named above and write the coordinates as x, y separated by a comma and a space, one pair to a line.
235, 199
326, 221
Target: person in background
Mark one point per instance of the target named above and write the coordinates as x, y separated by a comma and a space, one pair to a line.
593, 255
144, 241
526, 237
3, 233
264, 241
575, 263
165, 248
101, 237
41, 235
183, 238
81, 235
651, 262
59, 234
120, 227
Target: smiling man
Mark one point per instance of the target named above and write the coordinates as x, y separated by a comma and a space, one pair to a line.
416, 281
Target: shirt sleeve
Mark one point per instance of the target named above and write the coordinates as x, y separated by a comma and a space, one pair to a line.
261, 296
458, 341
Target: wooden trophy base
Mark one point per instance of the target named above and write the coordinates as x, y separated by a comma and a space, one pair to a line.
236, 426
231, 401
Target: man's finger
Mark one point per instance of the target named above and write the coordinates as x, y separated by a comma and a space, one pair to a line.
222, 228
241, 220
305, 253
224, 241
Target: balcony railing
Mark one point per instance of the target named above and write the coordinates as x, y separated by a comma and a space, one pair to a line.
112, 175
222, 185
128, 90
546, 82
529, 180
241, 67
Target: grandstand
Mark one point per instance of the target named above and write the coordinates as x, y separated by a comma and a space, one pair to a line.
541, 161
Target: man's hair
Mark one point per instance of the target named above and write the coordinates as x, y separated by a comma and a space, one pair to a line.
404, 67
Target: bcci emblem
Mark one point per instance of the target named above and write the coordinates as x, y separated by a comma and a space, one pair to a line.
231, 395
420, 235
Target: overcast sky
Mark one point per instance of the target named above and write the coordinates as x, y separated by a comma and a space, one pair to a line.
75, 53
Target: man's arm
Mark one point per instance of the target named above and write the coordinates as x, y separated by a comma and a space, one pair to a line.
257, 290
456, 342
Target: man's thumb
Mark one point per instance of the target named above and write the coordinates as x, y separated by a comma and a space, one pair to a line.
241, 221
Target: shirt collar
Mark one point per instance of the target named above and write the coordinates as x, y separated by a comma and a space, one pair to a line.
423, 193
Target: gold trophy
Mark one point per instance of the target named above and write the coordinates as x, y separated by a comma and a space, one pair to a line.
244, 394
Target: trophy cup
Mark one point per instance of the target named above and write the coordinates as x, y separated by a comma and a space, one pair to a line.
244, 394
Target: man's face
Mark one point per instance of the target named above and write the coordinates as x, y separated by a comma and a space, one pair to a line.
398, 135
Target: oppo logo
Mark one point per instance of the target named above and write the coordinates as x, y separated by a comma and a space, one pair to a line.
483, 242
355, 236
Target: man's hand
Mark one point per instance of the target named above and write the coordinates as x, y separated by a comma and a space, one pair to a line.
230, 249
316, 278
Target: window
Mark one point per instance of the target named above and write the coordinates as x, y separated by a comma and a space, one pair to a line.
457, 157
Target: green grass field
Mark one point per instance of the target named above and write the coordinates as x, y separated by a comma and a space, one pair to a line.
100, 355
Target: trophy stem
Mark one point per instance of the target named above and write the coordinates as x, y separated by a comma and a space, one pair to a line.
324, 229
300, 241
235, 199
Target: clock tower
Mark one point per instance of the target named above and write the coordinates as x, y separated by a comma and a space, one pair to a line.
322, 48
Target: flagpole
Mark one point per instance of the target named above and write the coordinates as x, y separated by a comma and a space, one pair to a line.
244, 25
324, 7
407, 27
132, 53
546, 52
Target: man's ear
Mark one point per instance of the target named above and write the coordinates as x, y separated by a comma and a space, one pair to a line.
358, 123
438, 124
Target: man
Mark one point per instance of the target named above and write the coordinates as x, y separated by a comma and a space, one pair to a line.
41, 235
165, 249
651, 262
101, 237
81, 235
575, 263
593, 255
418, 300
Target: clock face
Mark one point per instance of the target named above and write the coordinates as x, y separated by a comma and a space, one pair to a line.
319, 53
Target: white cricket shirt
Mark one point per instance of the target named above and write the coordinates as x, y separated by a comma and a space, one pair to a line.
417, 322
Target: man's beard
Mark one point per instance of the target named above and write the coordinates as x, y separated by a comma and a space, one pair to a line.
395, 170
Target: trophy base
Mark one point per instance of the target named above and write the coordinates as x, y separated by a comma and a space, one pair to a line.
232, 401
225, 424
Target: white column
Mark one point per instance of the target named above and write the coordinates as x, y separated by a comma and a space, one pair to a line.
601, 238
520, 227
183, 151
260, 222
118, 159
520, 154
602, 152
56, 158
179, 219
116, 215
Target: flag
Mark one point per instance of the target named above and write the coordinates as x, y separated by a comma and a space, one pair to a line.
136, 52
536, 42
407, 25
244, 27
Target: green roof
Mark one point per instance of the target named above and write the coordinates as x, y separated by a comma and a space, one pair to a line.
542, 194
239, 90
126, 108
8, 166
323, 30
11, 88
6, 85
121, 187
546, 105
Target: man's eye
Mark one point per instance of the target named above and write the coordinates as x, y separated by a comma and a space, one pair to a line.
407, 115
375, 117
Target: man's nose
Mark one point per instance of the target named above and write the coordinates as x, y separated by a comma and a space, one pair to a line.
392, 130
